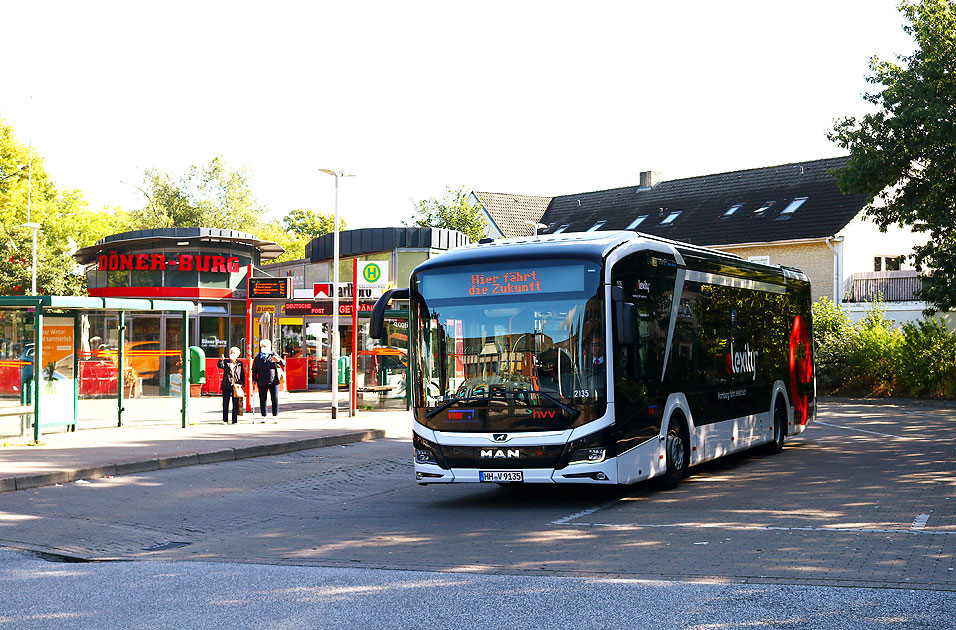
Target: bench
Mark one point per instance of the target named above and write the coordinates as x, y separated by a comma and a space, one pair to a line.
19, 410
381, 390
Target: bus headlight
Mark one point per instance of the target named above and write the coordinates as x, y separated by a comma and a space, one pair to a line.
590, 449
427, 452
588, 456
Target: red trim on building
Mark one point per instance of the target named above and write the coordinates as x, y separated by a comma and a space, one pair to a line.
161, 292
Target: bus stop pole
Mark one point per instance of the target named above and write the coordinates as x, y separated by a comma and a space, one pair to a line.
76, 367
184, 387
353, 384
248, 348
120, 372
37, 376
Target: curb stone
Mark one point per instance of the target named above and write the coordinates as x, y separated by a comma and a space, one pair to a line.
10, 484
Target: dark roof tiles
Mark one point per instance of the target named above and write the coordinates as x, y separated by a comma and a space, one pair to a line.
703, 201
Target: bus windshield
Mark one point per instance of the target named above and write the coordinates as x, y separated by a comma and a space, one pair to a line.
518, 335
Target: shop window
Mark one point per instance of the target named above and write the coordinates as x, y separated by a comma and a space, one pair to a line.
237, 334
117, 278
181, 279
213, 335
146, 278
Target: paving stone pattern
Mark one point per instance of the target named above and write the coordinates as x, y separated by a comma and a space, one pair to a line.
840, 506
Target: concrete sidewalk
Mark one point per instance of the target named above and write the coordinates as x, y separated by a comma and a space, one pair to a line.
304, 422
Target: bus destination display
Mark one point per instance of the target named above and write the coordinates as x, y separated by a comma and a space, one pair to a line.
269, 288
517, 280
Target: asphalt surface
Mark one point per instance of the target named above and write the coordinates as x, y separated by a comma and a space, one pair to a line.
853, 525
118, 596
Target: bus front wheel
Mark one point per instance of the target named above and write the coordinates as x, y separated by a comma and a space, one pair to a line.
675, 454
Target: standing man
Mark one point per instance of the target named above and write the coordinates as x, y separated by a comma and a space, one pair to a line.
265, 372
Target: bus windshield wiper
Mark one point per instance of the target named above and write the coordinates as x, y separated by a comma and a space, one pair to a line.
448, 403
574, 412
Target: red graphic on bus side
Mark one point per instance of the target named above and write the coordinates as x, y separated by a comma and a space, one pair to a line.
801, 368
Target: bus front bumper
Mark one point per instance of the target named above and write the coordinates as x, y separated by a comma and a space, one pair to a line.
600, 473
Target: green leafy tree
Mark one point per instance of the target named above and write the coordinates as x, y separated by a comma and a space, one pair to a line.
310, 223
292, 242
903, 155
212, 195
66, 223
452, 212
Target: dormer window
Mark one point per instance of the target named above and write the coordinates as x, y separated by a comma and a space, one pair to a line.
732, 209
671, 217
792, 207
596, 226
636, 222
759, 212
562, 228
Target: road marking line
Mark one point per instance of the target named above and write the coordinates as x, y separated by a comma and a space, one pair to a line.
853, 530
837, 426
919, 522
567, 519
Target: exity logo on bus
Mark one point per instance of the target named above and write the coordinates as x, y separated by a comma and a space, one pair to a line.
742, 362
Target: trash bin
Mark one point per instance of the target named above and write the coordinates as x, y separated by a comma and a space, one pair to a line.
344, 371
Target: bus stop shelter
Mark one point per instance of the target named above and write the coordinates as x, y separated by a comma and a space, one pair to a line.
79, 348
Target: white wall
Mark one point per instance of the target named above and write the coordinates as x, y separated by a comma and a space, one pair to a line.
862, 241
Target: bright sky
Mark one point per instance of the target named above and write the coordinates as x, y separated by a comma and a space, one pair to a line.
539, 98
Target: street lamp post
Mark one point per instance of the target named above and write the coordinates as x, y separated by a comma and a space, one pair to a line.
335, 294
34, 227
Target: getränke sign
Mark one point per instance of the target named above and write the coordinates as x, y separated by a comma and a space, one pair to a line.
159, 262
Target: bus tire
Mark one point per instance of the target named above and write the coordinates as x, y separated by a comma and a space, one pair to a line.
779, 427
676, 453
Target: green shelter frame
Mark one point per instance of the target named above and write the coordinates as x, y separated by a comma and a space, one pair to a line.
66, 306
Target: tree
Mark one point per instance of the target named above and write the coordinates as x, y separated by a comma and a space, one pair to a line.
452, 212
309, 223
212, 195
66, 222
903, 156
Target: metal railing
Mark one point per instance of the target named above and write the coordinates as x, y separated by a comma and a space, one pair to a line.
888, 286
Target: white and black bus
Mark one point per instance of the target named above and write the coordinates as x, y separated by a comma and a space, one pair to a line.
605, 357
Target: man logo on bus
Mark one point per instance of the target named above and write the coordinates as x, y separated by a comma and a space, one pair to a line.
742, 362
372, 273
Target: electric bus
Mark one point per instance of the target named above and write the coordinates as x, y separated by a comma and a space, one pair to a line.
600, 357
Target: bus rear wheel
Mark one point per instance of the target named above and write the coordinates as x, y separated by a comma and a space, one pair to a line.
675, 454
779, 428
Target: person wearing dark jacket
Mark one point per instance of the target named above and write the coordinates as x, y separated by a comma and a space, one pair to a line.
233, 373
265, 372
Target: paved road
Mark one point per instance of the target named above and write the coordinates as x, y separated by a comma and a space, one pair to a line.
865, 498
39, 595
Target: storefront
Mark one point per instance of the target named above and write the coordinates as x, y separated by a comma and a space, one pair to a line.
212, 267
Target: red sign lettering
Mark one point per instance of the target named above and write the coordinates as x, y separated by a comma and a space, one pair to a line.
158, 262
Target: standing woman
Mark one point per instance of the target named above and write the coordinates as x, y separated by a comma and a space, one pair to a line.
233, 373
265, 372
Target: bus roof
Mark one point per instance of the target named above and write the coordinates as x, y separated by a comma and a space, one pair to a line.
584, 245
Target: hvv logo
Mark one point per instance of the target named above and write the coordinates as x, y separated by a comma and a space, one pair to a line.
538, 413
463, 415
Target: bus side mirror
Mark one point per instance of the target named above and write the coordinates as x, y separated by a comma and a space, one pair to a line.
377, 325
625, 320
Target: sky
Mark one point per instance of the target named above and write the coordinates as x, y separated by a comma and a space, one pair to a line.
536, 98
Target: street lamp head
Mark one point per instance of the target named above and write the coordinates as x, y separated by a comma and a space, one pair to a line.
335, 174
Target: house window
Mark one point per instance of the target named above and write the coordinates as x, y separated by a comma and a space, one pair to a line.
596, 226
887, 263
764, 260
670, 218
636, 222
732, 209
762, 209
562, 228
793, 205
